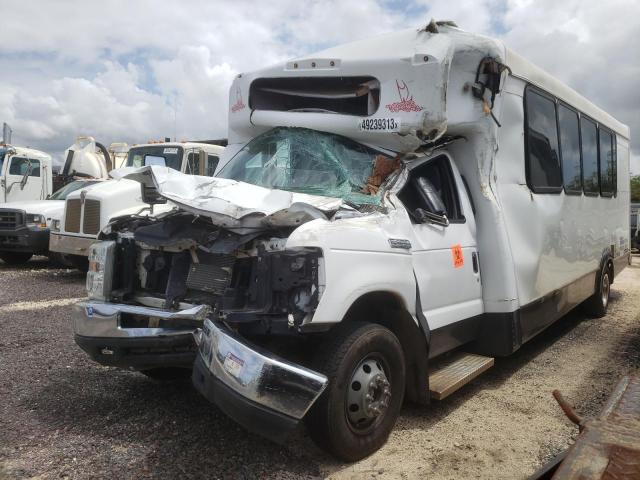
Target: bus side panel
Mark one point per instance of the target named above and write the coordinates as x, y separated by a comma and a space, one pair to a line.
557, 240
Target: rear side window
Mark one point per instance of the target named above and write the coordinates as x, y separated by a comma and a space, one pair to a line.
589, 134
544, 174
607, 164
570, 149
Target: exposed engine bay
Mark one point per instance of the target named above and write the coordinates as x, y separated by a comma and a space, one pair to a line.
247, 279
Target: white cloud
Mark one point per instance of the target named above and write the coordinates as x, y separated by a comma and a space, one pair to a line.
121, 69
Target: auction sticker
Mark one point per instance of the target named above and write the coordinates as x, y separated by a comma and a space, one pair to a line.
380, 124
233, 365
171, 151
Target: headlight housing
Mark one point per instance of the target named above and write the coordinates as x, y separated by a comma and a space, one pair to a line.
100, 274
55, 225
36, 220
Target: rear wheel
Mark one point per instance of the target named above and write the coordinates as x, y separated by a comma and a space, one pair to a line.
15, 258
357, 411
166, 374
596, 305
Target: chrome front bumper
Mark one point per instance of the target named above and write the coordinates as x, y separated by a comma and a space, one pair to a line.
262, 392
69, 244
111, 334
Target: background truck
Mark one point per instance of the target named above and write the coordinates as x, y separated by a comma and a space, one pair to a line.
86, 213
25, 225
33, 194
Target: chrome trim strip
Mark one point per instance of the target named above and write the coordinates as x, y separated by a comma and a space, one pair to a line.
98, 319
259, 375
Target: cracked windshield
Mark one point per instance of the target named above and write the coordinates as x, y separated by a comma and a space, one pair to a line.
313, 162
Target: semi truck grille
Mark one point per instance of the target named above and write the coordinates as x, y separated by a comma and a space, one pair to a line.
72, 216
11, 219
91, 219
213, 276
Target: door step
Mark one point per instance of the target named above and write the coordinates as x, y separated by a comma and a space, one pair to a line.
455, 372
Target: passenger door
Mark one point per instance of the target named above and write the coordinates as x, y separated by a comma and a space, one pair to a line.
24, 180
445, 258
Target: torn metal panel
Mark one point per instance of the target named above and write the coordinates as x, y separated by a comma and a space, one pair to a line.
608, 447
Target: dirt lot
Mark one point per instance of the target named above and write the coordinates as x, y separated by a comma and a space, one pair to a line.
64, 416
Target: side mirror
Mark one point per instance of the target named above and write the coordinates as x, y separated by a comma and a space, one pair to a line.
25, 177
424, 216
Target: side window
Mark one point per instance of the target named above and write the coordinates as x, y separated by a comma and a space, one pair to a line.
432, 187
212, 164
544, 174
589, 135
570, 149
607, 165
20, 166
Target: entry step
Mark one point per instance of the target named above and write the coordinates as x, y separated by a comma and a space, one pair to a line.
455, 372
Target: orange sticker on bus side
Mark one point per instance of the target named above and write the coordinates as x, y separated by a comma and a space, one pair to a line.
458, 257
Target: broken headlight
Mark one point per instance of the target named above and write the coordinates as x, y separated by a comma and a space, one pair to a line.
100, 274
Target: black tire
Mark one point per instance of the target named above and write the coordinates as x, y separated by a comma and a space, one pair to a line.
167, 374
15, 258
596, 305
330, 421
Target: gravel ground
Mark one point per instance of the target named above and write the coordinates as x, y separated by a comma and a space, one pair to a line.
63, 416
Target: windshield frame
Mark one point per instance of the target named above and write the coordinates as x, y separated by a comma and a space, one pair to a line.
351, 163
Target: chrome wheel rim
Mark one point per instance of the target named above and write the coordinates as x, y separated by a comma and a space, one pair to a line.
368, 395
605, 289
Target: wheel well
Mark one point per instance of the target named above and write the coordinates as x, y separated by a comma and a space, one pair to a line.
388, 310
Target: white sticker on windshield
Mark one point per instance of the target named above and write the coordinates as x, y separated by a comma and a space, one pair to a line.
170, 150
380, 124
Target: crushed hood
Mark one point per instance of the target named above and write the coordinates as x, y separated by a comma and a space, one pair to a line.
237, 206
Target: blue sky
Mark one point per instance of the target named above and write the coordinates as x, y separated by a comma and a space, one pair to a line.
119, 70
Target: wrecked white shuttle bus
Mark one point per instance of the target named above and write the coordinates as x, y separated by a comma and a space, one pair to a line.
394, 213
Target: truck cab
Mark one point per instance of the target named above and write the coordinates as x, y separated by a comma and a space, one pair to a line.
25, 174
86, 213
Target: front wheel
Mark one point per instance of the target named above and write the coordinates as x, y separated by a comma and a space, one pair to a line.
365, 367
15, 258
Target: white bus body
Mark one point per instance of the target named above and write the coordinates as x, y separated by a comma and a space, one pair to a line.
494, 199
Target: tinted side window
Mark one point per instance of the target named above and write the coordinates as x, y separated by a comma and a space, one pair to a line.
20, 166
570, 149
542, 160
607, 164
589, 156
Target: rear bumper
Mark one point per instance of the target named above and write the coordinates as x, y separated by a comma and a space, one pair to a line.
130, 336
70, 245
264, 393
25, 239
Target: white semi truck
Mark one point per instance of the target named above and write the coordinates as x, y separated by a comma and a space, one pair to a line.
87, 212
394, 213
33, 195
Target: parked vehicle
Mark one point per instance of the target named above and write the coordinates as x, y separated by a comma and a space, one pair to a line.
28, 180
25, 226
25, 174
394, 213
86, 213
